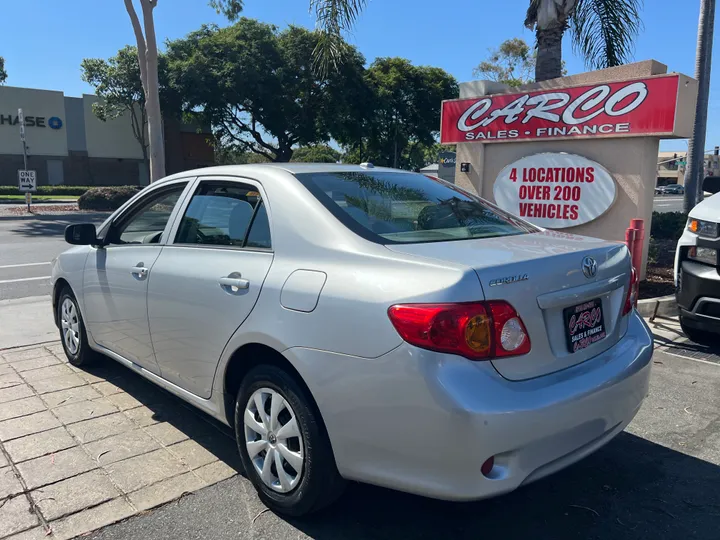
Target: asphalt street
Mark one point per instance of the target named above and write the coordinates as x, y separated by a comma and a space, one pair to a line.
659, 479
668, 203
27, 246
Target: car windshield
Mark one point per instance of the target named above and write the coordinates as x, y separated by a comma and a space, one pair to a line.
409, 208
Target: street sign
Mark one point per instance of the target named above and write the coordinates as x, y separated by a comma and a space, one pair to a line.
27, 181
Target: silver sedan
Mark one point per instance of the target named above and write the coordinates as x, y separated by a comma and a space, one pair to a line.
360, 323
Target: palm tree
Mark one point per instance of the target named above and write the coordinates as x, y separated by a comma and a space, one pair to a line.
603, 32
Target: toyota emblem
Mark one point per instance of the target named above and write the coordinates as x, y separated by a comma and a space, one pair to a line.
589, 267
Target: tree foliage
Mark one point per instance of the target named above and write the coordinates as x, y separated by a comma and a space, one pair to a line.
604, 31
3, 73
118, 84
317, 153
512, 63
402, 117
257, 87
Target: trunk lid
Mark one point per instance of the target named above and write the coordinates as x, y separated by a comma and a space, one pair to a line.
541, 274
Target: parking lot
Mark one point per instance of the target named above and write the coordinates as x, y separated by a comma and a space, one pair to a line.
657, 480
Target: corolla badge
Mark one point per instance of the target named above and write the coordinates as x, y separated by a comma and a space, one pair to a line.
589, 267
509, 279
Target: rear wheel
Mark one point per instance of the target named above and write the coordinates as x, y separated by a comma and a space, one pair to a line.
72, 331
283, 445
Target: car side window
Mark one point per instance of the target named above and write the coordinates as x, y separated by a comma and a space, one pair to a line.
224, 214
259, 235
148, 219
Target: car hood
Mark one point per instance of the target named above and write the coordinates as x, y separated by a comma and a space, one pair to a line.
707, 210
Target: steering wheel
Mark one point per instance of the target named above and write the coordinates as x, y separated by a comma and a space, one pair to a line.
201, 238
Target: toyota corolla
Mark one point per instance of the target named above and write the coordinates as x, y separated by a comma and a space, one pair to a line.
362, 323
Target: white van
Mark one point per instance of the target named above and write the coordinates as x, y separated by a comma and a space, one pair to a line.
697, 274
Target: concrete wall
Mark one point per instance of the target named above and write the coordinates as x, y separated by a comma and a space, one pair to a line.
35, 103
110, 139
632, 162
75, 124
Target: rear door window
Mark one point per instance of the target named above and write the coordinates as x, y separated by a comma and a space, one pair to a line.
395, 207
225, 214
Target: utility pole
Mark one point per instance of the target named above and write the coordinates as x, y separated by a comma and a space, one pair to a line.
21, 120
703, 64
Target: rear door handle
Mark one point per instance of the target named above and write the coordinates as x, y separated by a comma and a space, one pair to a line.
139, 270
234, 282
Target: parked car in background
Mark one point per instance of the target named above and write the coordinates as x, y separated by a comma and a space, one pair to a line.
362, 323
697, 269
674, 189
660, 190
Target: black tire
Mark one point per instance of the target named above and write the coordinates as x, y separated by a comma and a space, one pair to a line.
320, 483
84, 355
700, 337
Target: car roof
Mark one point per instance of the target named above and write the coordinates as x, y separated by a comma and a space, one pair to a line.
292, 168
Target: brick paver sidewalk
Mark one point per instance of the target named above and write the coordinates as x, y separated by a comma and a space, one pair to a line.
80, 449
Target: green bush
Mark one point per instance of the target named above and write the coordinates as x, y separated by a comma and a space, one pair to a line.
106, 198
668, 225
47, 190
653, 251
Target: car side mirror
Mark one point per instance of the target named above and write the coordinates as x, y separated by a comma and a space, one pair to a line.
711, 184
81, 234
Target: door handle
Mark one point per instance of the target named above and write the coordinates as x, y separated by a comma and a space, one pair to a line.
139, 270
234, 282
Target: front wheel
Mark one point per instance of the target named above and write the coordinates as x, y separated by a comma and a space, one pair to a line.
72, 331
283, 445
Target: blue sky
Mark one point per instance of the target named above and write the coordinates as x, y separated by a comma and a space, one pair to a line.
44, 49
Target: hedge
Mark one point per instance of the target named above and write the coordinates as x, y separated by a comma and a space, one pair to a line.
47, 190
668, 225
106, 198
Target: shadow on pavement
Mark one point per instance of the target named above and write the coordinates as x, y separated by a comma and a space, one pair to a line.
52, 225
161, 406
630, 489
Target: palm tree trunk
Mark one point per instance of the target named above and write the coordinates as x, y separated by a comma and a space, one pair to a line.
549, 52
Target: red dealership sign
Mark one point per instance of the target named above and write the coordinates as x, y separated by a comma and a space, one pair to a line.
621, 109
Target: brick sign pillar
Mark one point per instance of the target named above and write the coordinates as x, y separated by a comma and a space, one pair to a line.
577, 154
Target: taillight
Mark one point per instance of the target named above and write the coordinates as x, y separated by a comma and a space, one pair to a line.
632, 294
477, 330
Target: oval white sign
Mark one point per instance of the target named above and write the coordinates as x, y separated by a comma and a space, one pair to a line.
555, 190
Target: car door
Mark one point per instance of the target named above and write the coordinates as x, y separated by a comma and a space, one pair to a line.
206, 281
116, 275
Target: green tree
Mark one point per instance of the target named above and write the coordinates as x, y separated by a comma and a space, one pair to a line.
513, 63
317, 153
117, 82
403, 118
603, 32
334, 17
3, 73
258, 89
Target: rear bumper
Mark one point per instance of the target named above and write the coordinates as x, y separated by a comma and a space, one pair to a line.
424, 422
698, 296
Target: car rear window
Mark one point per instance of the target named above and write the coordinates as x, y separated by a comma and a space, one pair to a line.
409, 208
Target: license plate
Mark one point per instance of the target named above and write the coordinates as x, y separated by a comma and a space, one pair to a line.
584, 325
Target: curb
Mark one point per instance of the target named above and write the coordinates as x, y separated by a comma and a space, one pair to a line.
664, 306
